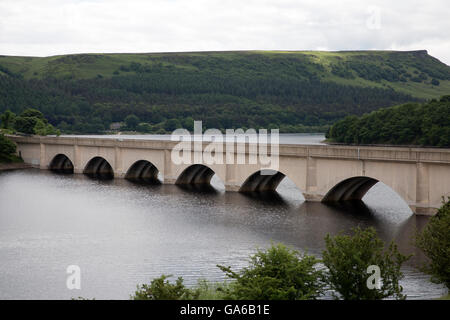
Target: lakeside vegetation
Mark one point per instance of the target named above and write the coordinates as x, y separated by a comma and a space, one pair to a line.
426, 124
7, 150
281, 273
434, 241
30, 121
292, 91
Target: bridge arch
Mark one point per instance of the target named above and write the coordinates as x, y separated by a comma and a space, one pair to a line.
195, 174
143, 171
353, 188
99, 167
262, 180
61, 164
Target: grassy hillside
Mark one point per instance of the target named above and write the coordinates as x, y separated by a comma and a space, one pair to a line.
398, 70
297, 91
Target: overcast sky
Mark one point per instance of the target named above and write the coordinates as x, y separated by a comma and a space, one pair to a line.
51, 27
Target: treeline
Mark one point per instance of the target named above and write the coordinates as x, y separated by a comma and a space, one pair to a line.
425, 124
293, 98
30, 121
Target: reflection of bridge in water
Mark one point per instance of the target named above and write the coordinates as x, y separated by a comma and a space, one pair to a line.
323, 173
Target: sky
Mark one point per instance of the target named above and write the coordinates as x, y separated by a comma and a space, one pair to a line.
53, 27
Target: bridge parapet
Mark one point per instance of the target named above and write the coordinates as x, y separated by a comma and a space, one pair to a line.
322, 151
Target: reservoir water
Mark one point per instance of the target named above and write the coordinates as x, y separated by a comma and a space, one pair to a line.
122, 234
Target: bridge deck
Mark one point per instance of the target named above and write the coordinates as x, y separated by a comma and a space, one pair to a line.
388, 153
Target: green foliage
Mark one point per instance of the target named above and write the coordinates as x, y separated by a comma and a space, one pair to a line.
279, 273
7, 149
348, 257
26, 124
131, 121
172, 124
30, 121
434, 241
43, 129
30, 112
211, 291
144, 127
411, 124
341, 71
7, 120
293, 91
162, 289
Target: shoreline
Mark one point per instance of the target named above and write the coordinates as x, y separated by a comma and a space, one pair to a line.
14, 166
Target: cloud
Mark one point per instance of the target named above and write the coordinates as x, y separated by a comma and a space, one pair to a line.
51, 27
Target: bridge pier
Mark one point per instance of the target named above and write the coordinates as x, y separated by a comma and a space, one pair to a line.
313, 197
169, 180
232, 188
423, 211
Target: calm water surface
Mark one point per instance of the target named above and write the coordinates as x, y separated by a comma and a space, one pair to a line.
122, 234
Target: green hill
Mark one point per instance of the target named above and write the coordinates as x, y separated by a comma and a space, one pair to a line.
409, 124
296, 91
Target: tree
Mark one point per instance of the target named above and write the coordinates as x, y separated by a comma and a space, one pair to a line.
26, 124
172, 124
43, 129
348, 258
422, 124
31, 121
7, 120
434, 241
30, 112
131, 121
162, 289
7, 148
279, 273
188, 123
144, 127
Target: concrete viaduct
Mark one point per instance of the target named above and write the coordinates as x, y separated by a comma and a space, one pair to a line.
421, 176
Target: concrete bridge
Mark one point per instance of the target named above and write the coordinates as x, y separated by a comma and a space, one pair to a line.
421, 176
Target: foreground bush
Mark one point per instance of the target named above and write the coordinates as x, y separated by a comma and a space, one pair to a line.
434, 241
348, 257
162, 289
278, 273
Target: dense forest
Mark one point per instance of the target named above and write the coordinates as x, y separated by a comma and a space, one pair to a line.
293, 91
425, 124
